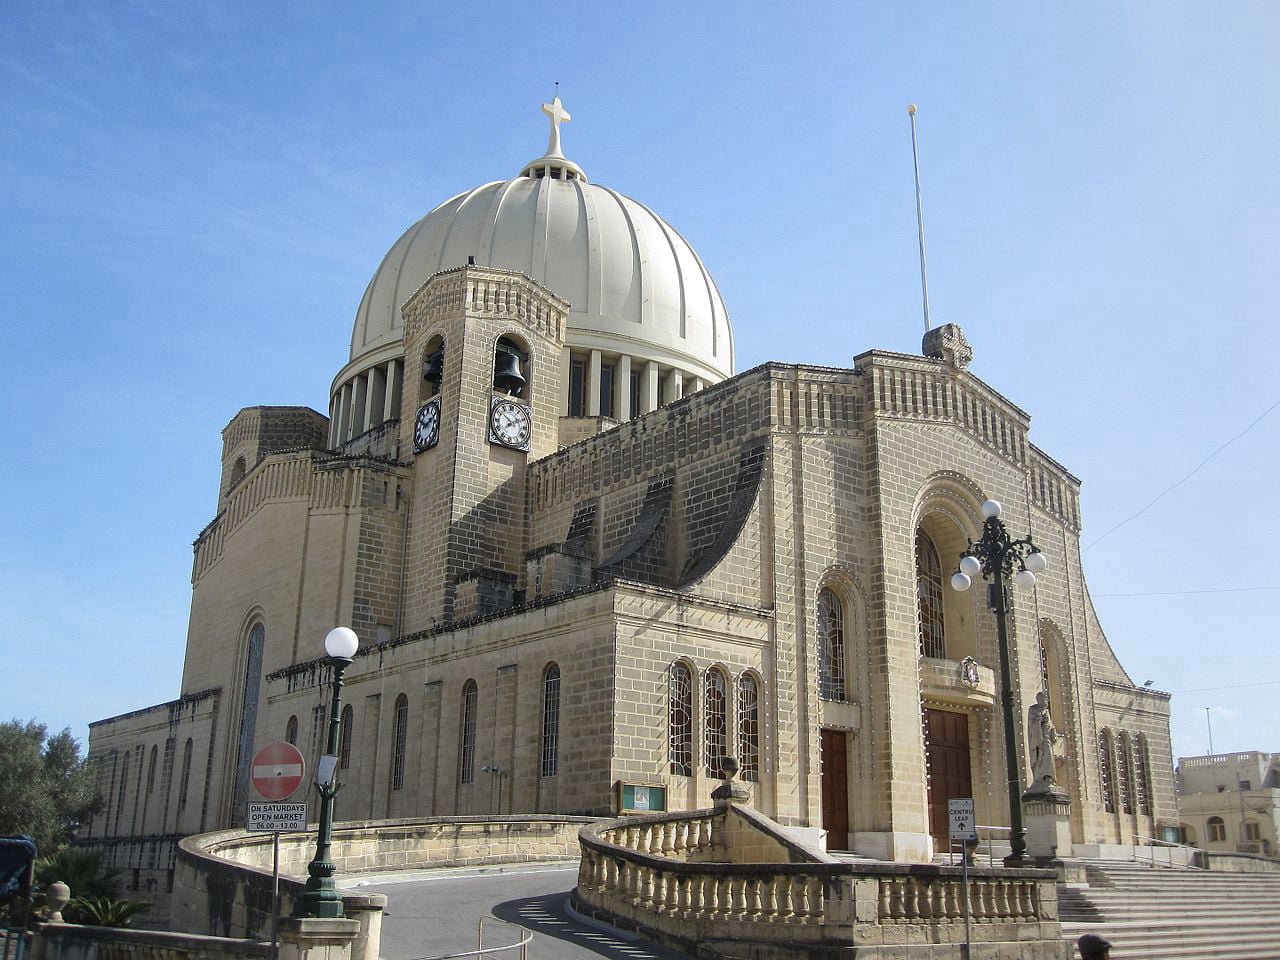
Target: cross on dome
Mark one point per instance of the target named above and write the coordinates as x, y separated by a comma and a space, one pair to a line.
558, 114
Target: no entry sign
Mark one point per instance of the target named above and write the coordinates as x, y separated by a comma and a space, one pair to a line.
277, 770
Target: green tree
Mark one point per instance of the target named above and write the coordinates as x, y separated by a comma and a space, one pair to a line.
45, 788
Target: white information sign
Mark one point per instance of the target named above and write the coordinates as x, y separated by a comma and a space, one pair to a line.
276, 818
964, 825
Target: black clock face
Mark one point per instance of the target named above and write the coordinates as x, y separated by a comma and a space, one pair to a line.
509, 424
426, 428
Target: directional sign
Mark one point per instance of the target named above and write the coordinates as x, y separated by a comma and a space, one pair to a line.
277, 770
276, 818
963, 823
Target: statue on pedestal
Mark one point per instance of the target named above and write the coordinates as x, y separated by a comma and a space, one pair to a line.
1042, 737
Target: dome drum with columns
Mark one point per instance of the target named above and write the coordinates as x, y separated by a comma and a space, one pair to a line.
647, 324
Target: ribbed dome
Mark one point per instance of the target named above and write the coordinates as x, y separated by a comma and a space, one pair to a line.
635, 285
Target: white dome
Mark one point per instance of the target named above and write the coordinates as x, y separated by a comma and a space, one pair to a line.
635, 285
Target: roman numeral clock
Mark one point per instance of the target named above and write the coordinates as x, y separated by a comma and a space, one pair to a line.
510, 423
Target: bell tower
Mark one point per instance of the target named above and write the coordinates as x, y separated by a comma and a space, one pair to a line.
483, 368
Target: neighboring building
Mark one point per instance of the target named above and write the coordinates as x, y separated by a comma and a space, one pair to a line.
1230, 802
582, 554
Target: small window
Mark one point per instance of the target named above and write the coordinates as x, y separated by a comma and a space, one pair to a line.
1216, 830
344, 738
467, 758
398, 744
550, 719
681, 720
1246, 784
831, 654
1252, 831
291, 731
577, 388
715, 721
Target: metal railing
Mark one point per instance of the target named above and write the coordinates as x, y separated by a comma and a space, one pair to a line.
1194, 859
484, 952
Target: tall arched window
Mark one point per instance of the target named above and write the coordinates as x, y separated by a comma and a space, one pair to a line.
400, 732
929, 597
1105, 772
831, 675
680, 739
716, 721
1215, 830
185, 783
248, 718
467, 757
550, 719
124, 780
237, 472
749, 727
1124, 773
1141, 775
151, 769
291, 730
344, 737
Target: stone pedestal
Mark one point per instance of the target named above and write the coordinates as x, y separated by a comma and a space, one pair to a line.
317, 938
1047, 815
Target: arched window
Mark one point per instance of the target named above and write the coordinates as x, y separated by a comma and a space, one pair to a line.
124, 780
929, 597
550, 719
1215, 830
186, 776
1105, 772
1141, 774
716, 722
237, 472
432, 368
467, 757
344, 737
1124, 772
680, 740
248, 718
749, 727
831, 679
400, 726
510, 367
151, 769
291, 730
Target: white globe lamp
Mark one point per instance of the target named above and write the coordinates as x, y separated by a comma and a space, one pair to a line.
341, 643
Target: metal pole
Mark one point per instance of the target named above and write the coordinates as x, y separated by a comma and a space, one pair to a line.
321, 898
1209, 723
275, 896
924, 276
1017, 835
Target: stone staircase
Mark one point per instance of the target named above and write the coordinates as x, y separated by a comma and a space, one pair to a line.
1161, 913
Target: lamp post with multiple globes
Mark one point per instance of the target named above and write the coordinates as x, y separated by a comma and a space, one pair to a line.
995, 555
321, 897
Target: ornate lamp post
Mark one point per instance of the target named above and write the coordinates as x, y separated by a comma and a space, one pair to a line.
321, 897
995, 556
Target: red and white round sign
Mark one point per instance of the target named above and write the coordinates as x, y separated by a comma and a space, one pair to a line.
277, 770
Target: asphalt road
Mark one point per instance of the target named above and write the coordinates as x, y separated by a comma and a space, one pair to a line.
438, 912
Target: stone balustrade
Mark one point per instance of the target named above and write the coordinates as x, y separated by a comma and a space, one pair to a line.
713, 877
65, 941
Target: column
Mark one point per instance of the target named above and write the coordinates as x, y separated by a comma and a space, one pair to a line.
622, 388
698, 385
649, 387
377, 397
344, 418
395, 380
360, 405
565, 360
335, 413
673, 387
593, 384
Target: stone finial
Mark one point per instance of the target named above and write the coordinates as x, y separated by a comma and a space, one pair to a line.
947, 343
729, 792
55, 898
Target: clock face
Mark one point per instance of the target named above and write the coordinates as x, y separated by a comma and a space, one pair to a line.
509, 424
426, 428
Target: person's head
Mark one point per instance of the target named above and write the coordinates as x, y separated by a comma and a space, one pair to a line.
1093, 947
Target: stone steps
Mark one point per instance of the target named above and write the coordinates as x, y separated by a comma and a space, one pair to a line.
1167, 914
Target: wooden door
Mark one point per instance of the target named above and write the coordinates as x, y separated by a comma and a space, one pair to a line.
835, 789
947, 743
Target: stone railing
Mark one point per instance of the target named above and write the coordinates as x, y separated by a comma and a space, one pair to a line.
67, 941
715, 881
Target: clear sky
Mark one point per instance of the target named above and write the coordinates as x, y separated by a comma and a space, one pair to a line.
196, 194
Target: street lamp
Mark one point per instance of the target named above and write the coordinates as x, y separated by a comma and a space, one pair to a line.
995, 555
321, 897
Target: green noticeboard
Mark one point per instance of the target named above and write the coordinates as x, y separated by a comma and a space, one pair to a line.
641, 798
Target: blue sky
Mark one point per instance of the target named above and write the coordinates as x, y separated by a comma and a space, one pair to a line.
195, 196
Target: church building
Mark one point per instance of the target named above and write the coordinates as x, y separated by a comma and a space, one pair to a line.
587, 559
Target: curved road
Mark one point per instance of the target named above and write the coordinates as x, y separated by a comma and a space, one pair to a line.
431, 913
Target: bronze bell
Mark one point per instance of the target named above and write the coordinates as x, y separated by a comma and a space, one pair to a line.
433, 367
506, 373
